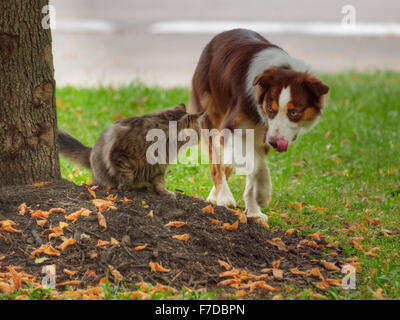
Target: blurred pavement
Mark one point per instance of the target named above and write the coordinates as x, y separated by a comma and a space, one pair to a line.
103, 41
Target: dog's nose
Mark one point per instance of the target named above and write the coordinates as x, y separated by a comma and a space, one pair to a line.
273, 143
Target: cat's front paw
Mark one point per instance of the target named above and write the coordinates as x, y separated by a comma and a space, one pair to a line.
168, 194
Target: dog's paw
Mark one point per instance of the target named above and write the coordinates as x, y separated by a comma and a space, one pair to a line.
212, 197
257, 216
226, 199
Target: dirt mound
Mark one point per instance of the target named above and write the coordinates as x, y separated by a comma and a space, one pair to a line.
192, 263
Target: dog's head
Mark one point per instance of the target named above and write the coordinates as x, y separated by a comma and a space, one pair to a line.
291, 102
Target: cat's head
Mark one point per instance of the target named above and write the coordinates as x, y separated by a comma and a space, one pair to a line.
188, 120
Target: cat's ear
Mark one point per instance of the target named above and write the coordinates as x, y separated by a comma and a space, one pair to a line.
181, 107
195, 116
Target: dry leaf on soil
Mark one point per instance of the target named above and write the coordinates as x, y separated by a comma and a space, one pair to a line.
115, 273
141, 247
22, 208
156, 267
102, 221
181, 237
229, 227
224, 264
330, 266
208, 209
66, 243
277, 242
46, 249
176, 224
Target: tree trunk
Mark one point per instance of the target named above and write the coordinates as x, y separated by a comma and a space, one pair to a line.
28, 120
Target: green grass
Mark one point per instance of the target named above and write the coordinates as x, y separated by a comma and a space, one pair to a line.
349, 164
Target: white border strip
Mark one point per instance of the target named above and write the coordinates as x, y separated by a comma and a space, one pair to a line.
311, 28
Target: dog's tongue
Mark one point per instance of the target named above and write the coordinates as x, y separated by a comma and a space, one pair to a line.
282, 145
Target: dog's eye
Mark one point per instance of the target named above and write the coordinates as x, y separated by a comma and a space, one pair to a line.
293, 113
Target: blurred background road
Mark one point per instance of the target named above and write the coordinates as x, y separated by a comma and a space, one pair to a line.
103, 41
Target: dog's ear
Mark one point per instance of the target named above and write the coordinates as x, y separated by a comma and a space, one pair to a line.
316, 86
263, 82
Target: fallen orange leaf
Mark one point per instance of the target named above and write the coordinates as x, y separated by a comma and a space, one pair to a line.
6, 225
22, 209
91, 274
229, 273
41, 223
224, 264
240, 293
102, 221
315, 272
276, 263
114, 242
115, 273
101, 204
378, 294
208, 209
230, 227
46, 249
112, 198
176, 224
321, 285
289, 232
372, 252
156, 267
228, 282
277, 242
75, 215
66, 243
296, 205
151, 214
334, 282
39, 214
102, 243
16, 277
141, 247
60, 210
71, 273
215, 221
330, 266
5, 288
296, 271
182, 237
92, 193
69, 283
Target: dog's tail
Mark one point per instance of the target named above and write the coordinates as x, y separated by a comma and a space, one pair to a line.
73, 149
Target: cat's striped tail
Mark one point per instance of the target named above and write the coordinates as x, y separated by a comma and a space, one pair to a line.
73, 149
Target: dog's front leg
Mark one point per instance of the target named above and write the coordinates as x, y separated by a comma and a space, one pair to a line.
220, 193
251, 192
263, 185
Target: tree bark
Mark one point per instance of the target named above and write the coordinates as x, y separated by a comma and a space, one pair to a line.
28, 120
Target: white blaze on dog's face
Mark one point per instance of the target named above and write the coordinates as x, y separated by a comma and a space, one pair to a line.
291, 102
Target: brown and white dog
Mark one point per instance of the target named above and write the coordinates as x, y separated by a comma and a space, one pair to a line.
244, 81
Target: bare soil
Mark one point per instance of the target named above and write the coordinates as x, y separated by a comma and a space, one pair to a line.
192, 263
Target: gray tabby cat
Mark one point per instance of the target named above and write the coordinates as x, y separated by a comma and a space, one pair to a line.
118, 159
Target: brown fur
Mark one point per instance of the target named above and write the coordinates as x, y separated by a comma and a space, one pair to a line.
219, 87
